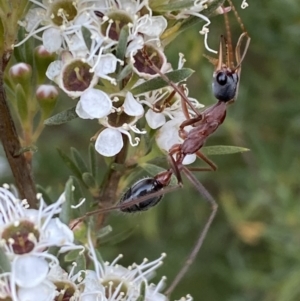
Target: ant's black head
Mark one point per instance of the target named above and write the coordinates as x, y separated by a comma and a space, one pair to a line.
225, 85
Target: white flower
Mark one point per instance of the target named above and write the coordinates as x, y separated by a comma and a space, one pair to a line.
72, 74
106, 64
144, 30
126, 113
26, 231
122, 282
59, 19
149, 52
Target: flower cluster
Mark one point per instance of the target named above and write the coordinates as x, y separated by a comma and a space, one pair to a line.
31, 272
106, 49
26, 236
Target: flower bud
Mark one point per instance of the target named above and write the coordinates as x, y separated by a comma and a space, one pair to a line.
43, 58
47, 95
20, 73
21, 76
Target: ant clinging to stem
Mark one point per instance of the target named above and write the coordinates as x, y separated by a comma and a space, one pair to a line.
148, 192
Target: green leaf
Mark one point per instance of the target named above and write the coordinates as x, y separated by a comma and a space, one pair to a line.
153, 170
158, 83
223, 150
62, 117
4, 262
78, 160
78, 257
195, 20
142, 295
72, 255
93, 160
22, 99
78, 196
173, 6
120, 236
86, 36
124, 73
65, 214
99, 257
103, 232
80, 265
44, 193
71, 165
89, 180
122, 43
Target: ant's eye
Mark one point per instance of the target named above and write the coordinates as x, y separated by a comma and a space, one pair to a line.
222, 78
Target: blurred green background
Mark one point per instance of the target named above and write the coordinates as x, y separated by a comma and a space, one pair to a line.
252, 251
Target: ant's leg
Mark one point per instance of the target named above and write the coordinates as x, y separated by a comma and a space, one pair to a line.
153, 193
214, 207
161, 107
173, 85
212, 165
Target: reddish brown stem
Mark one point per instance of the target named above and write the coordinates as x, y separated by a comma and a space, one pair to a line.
21, 170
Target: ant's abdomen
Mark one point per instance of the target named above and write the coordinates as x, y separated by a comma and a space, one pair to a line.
141, 188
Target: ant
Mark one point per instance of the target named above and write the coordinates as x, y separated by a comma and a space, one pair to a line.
148, 192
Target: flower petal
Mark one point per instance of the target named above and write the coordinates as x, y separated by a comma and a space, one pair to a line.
154, 26
107, 64
109, 142
52, 39
131, 106
155, 120
93, 104
29, 270
43, 292
57, 233
54, 69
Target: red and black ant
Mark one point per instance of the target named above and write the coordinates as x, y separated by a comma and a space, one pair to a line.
148, 192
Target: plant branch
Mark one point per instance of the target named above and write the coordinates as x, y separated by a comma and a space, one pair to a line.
20, 168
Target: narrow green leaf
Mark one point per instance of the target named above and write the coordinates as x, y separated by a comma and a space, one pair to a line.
77, 196
142, 295
153, 170
78, 257
158, 83
65, 214
104, 232
93, 160
86, 36
78, 160
44, 193
70, 164
80, 265
223, 150
62, 117
22, 99
173, 6
117, 238
4, 262
89, 180
122, 43
195, 20
99, 257
72, 255
124, 73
